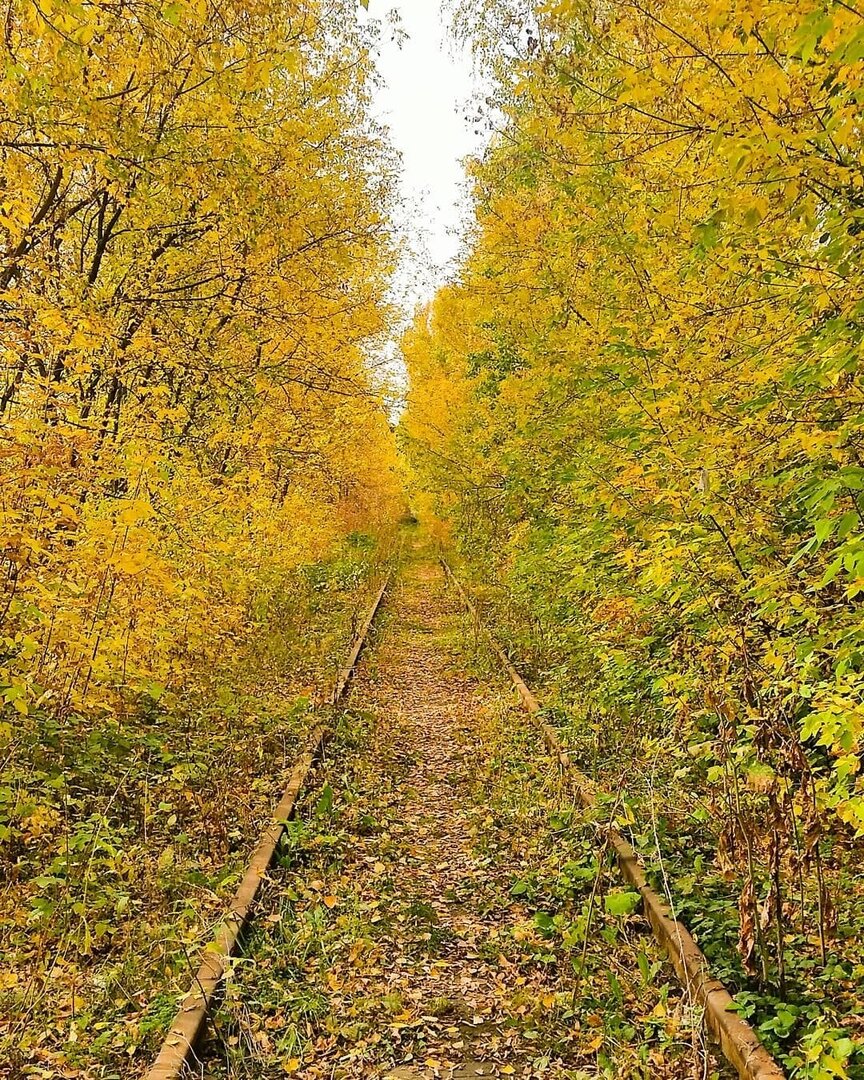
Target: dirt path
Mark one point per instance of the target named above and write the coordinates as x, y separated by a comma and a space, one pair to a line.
442, 912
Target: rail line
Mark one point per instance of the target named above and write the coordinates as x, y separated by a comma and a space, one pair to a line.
737, 1039
178, 1047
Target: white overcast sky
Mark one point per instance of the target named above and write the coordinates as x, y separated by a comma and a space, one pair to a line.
427, 85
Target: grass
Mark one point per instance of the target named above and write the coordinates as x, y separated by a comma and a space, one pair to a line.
341, 959
124, 835
674, 812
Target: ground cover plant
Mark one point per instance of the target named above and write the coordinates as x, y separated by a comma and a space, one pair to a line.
442, 898
126, 833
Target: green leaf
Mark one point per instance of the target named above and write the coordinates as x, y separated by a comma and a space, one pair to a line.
833, 570
847, 524
172, 13
543, 921
852, 477
824, 529
325, 802
622, 903
853, 50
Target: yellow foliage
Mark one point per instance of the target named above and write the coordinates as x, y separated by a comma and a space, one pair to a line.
193, 256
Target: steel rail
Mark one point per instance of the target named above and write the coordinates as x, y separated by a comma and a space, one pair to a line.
737, 1039
178, 1048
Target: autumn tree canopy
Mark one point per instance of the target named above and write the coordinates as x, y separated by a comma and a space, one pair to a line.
195, 252
639, 408
197, 471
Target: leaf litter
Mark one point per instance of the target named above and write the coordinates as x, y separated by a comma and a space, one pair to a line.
443, 908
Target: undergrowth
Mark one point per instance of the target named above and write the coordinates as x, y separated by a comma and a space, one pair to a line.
124, 833
799, 986
529, 955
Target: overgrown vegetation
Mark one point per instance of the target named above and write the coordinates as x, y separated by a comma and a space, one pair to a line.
639, 412
125, 832
197, 474
494, 930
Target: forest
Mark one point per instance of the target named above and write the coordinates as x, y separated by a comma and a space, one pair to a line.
632, 422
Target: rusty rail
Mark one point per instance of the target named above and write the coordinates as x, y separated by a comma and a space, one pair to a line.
178, 1048
738, 1041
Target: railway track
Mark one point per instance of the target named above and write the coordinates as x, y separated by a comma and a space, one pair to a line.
177, 1055
444, 910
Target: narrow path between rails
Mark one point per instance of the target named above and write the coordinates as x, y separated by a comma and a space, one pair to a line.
441, 911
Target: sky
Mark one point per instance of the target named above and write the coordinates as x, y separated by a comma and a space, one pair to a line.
425, 96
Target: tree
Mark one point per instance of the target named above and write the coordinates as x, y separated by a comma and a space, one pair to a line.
656, 430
